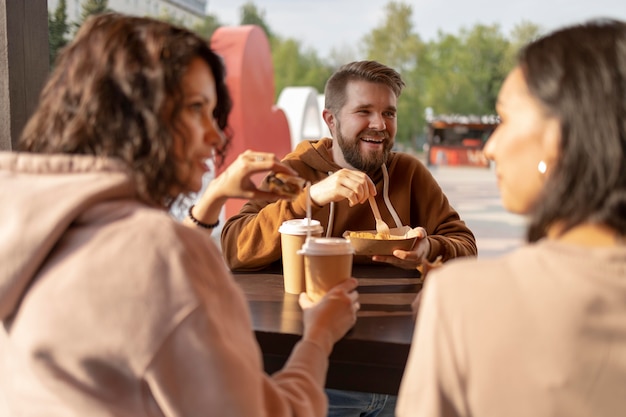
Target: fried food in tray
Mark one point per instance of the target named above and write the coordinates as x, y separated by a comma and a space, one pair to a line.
373, 235
369, 242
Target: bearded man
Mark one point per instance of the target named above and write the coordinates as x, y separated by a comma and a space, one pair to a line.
358, 162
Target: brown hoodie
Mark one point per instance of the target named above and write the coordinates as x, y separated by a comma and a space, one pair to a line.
250, 239
112, 308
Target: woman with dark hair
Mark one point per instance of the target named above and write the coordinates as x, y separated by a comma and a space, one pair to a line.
109, 306
542, 330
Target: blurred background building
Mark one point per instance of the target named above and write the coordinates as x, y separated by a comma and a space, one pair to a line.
186, 12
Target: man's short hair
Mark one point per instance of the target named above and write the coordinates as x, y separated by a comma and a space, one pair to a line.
371, 71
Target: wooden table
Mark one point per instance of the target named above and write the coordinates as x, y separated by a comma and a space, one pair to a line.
372, 356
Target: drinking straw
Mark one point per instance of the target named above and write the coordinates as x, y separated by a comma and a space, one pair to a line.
308, 210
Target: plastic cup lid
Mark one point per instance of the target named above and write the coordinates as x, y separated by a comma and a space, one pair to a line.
300, 227
326, 246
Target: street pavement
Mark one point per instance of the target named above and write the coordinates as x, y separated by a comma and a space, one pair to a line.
473, 192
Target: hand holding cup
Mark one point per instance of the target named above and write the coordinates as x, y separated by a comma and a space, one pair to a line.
329, 319
327, 262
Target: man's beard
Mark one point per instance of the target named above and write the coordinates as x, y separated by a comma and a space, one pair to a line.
369, 162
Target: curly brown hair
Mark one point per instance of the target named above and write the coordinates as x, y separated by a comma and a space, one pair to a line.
107, 94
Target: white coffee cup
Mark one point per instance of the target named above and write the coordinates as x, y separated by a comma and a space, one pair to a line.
327, 262
293, 233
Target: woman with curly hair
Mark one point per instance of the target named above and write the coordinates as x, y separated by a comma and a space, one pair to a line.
110, 306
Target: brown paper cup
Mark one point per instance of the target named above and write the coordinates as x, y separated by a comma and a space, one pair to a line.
293, 234
327, 262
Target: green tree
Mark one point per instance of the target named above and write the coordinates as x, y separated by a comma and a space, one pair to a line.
251, 15
341, 54
294, 67
58, 29
485, 51
443, 76
396, 44
452, 74
166, 16
462, 74
209, 24
520, 35
90, 7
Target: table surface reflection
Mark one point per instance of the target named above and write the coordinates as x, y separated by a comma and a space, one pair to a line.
372, 356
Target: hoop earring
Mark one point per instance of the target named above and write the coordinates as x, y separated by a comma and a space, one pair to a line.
542, 167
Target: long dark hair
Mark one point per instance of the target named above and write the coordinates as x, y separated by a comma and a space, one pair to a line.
579, 74
107, 94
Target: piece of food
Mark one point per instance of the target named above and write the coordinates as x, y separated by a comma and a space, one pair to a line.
372, 235
285, 185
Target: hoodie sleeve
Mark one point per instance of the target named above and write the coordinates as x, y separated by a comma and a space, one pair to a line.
250, 239
222, 371
228, 379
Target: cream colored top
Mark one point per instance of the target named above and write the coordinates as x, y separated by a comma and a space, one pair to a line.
539, 332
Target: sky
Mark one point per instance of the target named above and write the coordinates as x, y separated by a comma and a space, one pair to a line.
327, 24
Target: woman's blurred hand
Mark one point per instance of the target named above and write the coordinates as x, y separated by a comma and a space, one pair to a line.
328, 320
236, 182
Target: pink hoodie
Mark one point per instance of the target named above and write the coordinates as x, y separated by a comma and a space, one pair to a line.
113, 308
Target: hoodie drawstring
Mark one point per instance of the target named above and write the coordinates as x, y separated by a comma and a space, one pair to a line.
395, 216
331, 215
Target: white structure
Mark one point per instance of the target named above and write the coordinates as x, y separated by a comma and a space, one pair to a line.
186, 12
320, 106
303, 114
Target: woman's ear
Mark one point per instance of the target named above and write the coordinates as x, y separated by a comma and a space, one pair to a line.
552, 141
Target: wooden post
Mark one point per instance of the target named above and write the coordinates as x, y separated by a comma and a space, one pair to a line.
24, 64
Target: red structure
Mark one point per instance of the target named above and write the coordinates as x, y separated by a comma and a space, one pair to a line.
459, 140
255, 120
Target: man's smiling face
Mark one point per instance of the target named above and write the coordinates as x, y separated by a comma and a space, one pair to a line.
365, 127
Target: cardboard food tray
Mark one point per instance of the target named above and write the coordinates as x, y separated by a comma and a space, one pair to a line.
372, 246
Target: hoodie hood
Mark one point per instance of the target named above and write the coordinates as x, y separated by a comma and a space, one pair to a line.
41, 196
316, 154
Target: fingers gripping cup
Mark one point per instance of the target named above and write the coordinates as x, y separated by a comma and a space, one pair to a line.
293, 233
327, 262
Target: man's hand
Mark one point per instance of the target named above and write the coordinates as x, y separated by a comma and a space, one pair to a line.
351, 185
409, 259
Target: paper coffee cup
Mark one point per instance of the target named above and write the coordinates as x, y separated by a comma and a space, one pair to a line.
327, 262
293, 233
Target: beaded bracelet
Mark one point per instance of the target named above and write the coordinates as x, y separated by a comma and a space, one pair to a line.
202, 224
